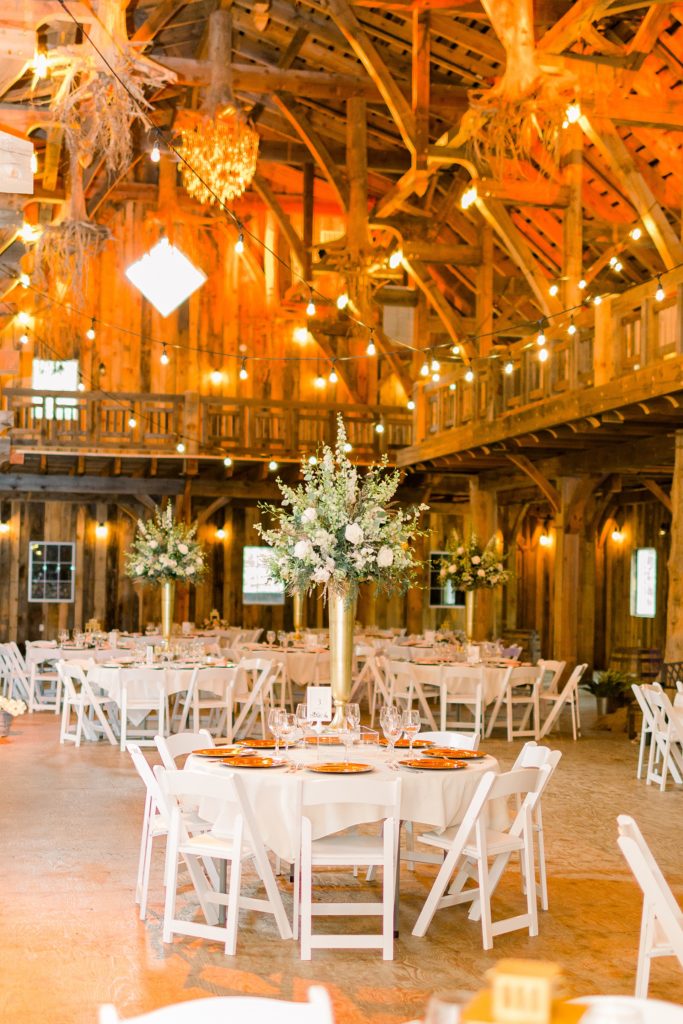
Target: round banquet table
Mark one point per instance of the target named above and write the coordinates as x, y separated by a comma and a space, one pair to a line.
302, 667
438, 799
37, 655
430, 674
141, 683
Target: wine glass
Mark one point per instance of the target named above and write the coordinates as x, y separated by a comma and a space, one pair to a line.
275, 724
410, 720
445, 1007
289, 728
347, 734
353, 712
390, 720
63, 636
302, 721
270, 637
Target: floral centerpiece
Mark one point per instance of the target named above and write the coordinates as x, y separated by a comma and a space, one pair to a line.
335, 531
165, 551
468, 566
10, 707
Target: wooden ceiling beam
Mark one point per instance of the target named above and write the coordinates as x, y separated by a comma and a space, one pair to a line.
448, 315
497, 216
317, 147
522, 192
565, 32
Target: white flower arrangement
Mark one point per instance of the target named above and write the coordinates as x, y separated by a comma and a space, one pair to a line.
164, 549
468, 566
12, 706
341, 529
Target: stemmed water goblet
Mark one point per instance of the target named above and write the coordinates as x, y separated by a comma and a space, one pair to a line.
390, 720
275, 717
410, 720
289, 728
270, 637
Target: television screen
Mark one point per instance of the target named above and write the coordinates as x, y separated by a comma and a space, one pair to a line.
257, 585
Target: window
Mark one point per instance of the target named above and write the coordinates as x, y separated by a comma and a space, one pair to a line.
51, 571
257, 585
644, 583
442, 595
55, 375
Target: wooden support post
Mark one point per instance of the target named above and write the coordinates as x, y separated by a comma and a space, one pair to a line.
420, 94
574, 580
484, 309
357, 172
483, 524
674, 605
308, 185
571, 162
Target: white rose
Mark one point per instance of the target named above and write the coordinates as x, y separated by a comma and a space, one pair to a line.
480, 572
190, 570
385, 557
460, 551
183, 549
452, 567
353, 533
476, 559
321, 575
309, 515
139, 570
153, 544
302, 549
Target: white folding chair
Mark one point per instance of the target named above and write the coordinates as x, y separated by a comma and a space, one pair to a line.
141, 697
210, 690
520, 688
348, 848
661, 929
244, 843
569, 695
253, 690
462, 686
181, 743
90, 708
647, 727
469, 847
534, 756
552, 673
19, 680
404, 688
45, 686
235, 1009
666, 746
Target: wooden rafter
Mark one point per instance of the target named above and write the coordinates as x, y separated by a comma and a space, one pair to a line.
568, 29
544, 485
441, 306
317, 147
659, 493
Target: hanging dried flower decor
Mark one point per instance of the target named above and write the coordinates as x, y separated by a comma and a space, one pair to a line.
218, 141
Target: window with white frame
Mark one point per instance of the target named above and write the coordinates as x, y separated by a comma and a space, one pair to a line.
51, 571
55, 375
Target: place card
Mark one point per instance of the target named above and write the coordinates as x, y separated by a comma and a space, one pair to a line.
319, 703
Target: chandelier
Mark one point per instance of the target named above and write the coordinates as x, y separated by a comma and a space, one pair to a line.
222, 150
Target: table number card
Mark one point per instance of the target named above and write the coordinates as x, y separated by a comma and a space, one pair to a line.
319, 703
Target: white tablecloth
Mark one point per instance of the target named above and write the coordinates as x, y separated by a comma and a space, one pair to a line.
652, 1011
35, 655
302, 667
432, 675
437, 799
141, 681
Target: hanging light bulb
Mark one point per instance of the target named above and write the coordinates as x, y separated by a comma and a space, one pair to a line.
541, 339
659, 294
410, 405
573, 113
239, 244
545, 540
469, 376
379, 427
24, 280
312, 460
613, 261
132, 422
90, 333
396, 259
319, 382
618, 266
455, 350
342, 301
220, 533
333, 377
597, 300
571, 330
227, 461
216, 376
180, 447
101, 369
310, 308
23, 318
348, 447
553, 290
452, 386
543, 355
101, 530
300, 335
424, 370
469, 197
272, 465
23, 338
81, 382
509, 368
243, 370
155, 155
635, 233
371, 350
436, 377
163, 358
435, 366
583, 284
617, 534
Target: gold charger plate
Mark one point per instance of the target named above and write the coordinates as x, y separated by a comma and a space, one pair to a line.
339, 768
324, 741
405, 745
254, 762
258, 744
458, 755
433, 764
219, 751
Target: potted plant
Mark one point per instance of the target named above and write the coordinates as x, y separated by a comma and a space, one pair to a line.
10, 707
610, 689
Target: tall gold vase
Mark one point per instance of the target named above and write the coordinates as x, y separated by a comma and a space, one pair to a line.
470, 598
167, 603
298, 612
342, 612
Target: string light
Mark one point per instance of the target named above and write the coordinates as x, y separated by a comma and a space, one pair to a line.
452, 386
435, 366
23, 318
379, 427
371, 350
436, 377
396, 259
469, 376
319, 382
300, 335
455, 350
543, 355
509, 367
216, 376
333, 377
239, 244
469, 197
155, 155
618, 266
90, 333
227, 462
545, 540
597, 301
312, 460
272, 465
348, 447
424, 370
40, 64
553, 290
571, 330
23, 338
342, 301
635, 234
81, 382
243, 370
410, 405
541, 339
613, 261
573, 113
163, 358
24, 280
659, 294
28, 232
101, 369
617, 534
310, 308
583, 284
132, 422
220, 533
180, 447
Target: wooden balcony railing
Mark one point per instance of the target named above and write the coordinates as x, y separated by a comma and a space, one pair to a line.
98, 423
633, 336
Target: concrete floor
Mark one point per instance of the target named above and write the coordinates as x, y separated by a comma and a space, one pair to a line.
70, 938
